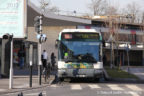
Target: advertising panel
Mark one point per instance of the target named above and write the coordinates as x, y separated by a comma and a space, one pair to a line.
13, 18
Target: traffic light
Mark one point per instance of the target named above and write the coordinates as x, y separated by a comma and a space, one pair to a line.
42, 38
8, 36
38, 24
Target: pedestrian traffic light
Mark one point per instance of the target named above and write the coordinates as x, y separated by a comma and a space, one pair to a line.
38, 24
42, 38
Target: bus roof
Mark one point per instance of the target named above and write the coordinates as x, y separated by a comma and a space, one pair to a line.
79, 30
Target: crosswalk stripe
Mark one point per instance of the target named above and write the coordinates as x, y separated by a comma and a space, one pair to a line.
114, 87
22, 86
133, 93
94, 86
36, 94
2, 90
54, 86
133, 87
76, 87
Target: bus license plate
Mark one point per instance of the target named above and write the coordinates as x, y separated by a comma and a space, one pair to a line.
81, 75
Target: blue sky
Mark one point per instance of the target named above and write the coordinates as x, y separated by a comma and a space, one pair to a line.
81, 6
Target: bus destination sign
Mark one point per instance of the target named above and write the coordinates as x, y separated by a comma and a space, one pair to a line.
80, 36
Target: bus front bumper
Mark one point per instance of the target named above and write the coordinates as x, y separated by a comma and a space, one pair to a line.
70, 73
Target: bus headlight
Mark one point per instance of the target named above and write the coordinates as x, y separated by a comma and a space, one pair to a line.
61, 64
98, 65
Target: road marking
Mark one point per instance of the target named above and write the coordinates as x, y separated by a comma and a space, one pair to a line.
2, 90
36, 94
94, 86
22, 86
54, 86
134, 87
133, 93
114, 87
76, 87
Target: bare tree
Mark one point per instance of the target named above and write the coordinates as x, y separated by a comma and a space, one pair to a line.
101, 7
98, 6
132, 9
111, 10
46, 6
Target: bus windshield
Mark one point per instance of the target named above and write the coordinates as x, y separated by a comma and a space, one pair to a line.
79, 51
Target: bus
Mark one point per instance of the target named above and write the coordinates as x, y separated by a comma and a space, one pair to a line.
80, 54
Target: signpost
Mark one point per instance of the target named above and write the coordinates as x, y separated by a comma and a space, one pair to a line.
12, 21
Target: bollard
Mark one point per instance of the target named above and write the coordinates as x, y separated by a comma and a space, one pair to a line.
30, 76
20, 94
40, 94
40, 74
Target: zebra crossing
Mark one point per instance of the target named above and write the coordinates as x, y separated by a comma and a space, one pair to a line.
126, 89
115, 87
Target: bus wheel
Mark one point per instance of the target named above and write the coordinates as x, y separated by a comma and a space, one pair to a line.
97, 79
61, 79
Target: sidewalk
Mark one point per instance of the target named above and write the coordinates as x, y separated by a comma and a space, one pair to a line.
136, 70
21, 82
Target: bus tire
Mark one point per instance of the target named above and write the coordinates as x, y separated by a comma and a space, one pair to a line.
96, 79
61, 79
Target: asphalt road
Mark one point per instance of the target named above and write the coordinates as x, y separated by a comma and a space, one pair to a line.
86, 88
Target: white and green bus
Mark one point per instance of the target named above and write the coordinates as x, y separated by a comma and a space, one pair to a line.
80, 54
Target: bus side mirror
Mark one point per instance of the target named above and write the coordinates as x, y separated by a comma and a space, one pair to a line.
103, 43
56, 43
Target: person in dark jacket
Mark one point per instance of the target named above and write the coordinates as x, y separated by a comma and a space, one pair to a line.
21, 55
53, 60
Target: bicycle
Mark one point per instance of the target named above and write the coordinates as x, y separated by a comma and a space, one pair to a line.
46, 72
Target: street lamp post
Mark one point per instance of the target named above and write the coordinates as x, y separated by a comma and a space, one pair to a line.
127, 49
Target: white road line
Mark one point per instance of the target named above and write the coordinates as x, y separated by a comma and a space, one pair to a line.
76, 87
134, 87
22, 86
54, 86
114, 87
133, 93
36, 94
2, 90
94, 86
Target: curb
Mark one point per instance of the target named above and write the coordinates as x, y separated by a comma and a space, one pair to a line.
108, 78
48, 83
126, 80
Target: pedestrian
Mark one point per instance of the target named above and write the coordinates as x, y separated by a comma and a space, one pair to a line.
44, 59
104, 60
53, 61
21, 55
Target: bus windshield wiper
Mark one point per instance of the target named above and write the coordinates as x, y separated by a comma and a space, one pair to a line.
68, 60
88, 58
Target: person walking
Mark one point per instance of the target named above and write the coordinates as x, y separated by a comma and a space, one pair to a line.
53, 60
21, 55
44, 58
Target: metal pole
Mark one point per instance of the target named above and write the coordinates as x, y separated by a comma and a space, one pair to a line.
11, 66
40, 48
40, 64
30, 75
111, 55
31, 63
128, 57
